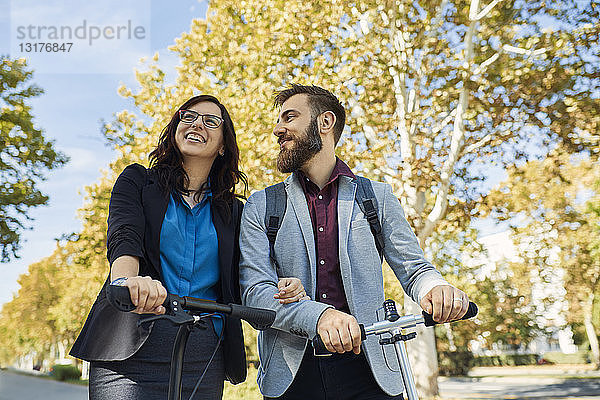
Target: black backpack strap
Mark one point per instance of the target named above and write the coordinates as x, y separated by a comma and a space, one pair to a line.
365, 197
275, 210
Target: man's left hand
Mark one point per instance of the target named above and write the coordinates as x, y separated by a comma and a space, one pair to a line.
446, 303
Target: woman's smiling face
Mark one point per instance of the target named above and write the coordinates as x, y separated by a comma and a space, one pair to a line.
195, 139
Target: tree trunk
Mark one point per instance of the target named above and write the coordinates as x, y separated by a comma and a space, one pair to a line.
591, 331
85, 370
422, 355
450, 337
422, 350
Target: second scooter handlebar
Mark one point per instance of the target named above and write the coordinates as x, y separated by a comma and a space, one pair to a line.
402, 322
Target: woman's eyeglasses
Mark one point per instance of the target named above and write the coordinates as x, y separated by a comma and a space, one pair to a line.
208, 120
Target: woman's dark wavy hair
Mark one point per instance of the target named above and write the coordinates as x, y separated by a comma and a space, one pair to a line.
167, 160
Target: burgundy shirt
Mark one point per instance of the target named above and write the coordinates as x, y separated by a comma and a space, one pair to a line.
322, 206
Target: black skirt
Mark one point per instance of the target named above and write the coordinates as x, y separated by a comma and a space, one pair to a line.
145, 375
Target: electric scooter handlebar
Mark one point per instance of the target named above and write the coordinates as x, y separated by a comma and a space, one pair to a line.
261, 319
394, 321
471, 312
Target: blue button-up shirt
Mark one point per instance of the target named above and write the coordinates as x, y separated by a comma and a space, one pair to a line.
189, 250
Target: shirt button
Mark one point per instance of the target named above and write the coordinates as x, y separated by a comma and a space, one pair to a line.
320, 197
322, 262
324, 295
320, 229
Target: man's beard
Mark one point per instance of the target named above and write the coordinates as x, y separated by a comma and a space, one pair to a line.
293, 158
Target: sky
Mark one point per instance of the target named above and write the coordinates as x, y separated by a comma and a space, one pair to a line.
80, 89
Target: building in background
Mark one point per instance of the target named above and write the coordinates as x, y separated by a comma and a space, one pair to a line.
547, 295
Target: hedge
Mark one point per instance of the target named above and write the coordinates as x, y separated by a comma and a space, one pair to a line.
455, 363
63, 372
557, 357
505, 360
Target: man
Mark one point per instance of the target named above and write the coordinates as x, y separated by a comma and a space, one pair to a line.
325, 240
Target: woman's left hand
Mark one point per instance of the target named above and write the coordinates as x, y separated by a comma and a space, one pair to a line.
290, 291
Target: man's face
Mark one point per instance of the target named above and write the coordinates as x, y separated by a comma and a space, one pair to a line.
298, 134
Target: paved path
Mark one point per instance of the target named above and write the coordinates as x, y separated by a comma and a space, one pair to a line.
22, 387
522, 388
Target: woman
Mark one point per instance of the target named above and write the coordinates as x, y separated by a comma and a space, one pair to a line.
173, 228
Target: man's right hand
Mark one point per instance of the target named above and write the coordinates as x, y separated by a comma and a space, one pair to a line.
339, 331
147, 294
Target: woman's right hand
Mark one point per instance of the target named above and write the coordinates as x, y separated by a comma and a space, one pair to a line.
291, 290
147, 294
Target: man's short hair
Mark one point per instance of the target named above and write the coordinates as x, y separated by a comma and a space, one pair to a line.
319, 101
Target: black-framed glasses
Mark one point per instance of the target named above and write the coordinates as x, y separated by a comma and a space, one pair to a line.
208, 120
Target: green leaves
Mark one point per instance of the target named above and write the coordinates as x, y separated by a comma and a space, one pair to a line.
553, 206
25, 155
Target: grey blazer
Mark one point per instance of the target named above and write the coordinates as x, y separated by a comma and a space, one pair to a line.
281, 348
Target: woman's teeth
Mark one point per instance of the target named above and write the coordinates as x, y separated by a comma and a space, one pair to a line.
196, 138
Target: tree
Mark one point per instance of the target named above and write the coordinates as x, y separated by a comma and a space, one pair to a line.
30, 327
25, 155
557, 230
507, 313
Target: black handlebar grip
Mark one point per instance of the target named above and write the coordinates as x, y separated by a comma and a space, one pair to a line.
260, 319
471, 312
319, 346
118, 297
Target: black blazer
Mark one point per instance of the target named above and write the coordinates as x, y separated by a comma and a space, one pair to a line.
136, 212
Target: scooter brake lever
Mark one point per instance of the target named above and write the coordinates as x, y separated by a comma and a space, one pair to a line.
176, 318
